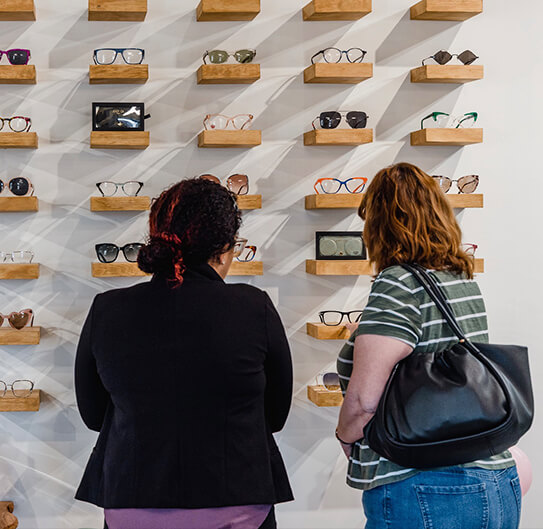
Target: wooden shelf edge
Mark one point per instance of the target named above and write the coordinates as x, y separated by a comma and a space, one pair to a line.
104, 204
9, 403
19, 270
108, 10
18, 10
338, 137
252, 268
242, 139
446, 137
323, 10
18, 204
447, 74
227, 11
18, 74
459, 10
131, 140
340, 73
321, 397
249, 202
118, 74
25, 336
211, 74
319, 331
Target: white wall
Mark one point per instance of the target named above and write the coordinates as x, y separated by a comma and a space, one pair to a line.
42, 455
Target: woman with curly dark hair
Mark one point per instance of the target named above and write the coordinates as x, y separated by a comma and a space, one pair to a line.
186, 378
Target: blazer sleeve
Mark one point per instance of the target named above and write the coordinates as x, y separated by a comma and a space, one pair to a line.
92, 397
278, 369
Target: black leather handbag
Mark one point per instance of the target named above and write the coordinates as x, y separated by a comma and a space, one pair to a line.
464, 404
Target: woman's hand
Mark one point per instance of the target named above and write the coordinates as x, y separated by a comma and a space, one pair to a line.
351, 327
347, 449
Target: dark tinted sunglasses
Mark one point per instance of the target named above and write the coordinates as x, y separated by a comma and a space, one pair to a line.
331, 120
18, 186
443, 57
16, 56
108, 252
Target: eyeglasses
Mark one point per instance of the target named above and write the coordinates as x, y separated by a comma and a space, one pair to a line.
466, 184
108, 189
19, 388
16, 56
24, 256
247, 254
237, 183
332, 318
331, 120
18, 320
470, 248
18, 186
333, 185
443, 57
108, 252
330, 381
444, 120
16, 123
239, 246
334, 55
221, 56
221, 122
109, 55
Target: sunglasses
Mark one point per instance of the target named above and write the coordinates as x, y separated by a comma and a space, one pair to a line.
443, 57
330, 381
333, 185
18, 320
16, 56
466, 184
334, 55
16, 123
108, 252
470, 248
237, 183
110, 55
17, 257
221, 56
332, 318
444, 120
221, 122
19, 388
108, 189
331, 120
18, 186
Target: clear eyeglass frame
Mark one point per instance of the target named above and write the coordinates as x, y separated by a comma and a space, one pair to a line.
20, 389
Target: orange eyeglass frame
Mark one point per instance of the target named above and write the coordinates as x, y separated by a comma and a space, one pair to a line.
342, 183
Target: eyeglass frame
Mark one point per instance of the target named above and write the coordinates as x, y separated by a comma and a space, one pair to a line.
470, 246
118, 51
206, 176
453, 55
476, 176
466, 116
228, 120
229, 54
252, 249
14, 252
119, 249
5, 317
343, 314
3, 394
30, 187
5, 52
121, 185
343, 114
26, 129
341, 52
342, 183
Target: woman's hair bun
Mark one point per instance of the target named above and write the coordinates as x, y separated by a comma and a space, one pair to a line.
159, 256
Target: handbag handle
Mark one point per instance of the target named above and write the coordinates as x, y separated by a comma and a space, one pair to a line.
436, 295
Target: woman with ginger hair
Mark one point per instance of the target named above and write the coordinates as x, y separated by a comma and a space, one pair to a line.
409, 220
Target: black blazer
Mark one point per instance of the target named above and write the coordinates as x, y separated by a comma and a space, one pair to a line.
185, 387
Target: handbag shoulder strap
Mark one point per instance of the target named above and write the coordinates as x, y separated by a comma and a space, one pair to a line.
436, 295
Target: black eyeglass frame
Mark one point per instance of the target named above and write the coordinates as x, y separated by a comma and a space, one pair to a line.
341, 52
118, 51
121, 185
344, 315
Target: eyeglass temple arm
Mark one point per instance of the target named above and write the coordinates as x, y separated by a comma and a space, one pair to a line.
313, 122
427, 59
318, 53
205, 55
248, 121
468, 115
28, 124
433, 115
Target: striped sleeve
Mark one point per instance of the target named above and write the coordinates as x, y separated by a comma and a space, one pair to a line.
392, 310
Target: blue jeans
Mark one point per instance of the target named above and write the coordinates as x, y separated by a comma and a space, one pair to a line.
451, 498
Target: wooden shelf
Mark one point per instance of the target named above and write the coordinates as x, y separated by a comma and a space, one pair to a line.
9, 204
479, 266
352, 201
345, 137
358, 267
340, 73
17, 74
451, 137
327, 332
118, 10
446, 9
17, 10
118, 73
24, 336
252, 268
447, 74
120, 203
227, 10
122, 269
320, 396
19, 270
229, 138
11, 403
336, 9
18, 140
228, 73
247, 202
134, 139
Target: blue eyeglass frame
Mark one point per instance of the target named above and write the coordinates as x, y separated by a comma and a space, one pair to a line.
117, 52
342, 183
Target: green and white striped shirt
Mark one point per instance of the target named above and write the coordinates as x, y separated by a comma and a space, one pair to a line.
399, 307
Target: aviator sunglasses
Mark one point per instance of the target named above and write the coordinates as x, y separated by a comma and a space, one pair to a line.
16, 56
465, 184
18, 186
443, 57
18, 320
108, 189
334, 55
333, 185
110, 55
237, 183
108, 252
16, 123
221, 56
445, 120
221, 122
331, 120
